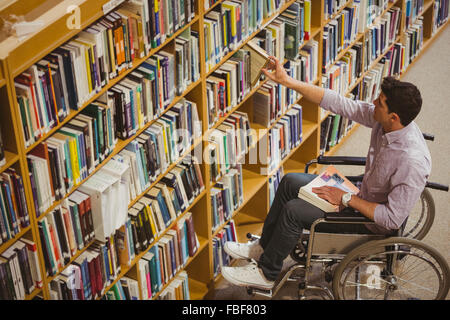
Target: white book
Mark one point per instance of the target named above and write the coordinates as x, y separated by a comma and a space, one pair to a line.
100, 206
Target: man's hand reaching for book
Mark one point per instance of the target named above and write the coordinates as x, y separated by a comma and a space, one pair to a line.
279, 74
332, 194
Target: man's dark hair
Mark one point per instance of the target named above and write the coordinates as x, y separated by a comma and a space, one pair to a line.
403, 98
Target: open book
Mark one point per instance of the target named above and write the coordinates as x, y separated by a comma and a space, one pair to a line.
330, 177
259, 60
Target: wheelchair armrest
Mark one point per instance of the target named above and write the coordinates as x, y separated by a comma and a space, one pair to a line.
346, 215
342, 160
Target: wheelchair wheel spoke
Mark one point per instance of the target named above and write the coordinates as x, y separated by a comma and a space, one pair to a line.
408, 269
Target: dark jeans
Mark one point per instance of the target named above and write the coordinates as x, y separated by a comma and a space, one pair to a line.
287, 216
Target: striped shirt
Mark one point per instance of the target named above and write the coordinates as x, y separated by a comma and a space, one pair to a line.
397, 167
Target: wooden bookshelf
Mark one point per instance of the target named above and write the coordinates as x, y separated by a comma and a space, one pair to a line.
17, 55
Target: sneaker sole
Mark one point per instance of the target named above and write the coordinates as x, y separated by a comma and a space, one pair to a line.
239, 283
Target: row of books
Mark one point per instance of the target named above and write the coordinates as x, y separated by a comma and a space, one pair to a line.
297, 26
231, 22
331, 7
269, 102
339, 33
369, 10
160, 145
401, 55
66, 230
112, 187
97, 267
124, 289
228, 85
164, 261
70, 155
70, 75
271, 40
284, 136
441, 13
14, 215
274, 182
178, 289
345, 72
413, 9
413, 41
159, 208
20, 271
334, 127
381, 35
187, 60
144, 94
228, 144
90, 273
220, 257
226, 196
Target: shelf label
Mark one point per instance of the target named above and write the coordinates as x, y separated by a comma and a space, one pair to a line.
107, 7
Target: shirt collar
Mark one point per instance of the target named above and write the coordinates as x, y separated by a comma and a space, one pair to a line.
393, 136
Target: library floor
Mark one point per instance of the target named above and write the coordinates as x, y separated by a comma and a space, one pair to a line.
431, 74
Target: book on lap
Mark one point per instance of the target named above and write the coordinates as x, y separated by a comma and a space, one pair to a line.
330, 177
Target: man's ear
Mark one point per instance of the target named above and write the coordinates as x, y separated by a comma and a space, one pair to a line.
394, 117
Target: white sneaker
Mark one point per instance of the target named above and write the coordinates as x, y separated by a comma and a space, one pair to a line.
249, 250
247, 276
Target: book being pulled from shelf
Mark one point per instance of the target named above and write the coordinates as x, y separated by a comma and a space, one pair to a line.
330, 177
19, 270
14, 212
220, 257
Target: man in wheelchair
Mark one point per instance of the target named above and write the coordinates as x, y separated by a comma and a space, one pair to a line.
397, 168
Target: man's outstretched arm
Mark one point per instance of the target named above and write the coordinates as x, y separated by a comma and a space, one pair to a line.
358, 111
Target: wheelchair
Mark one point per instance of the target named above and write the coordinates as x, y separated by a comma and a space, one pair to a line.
368, 266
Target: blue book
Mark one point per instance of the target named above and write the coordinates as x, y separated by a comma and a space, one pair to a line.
155, 251
155, 193
9, 203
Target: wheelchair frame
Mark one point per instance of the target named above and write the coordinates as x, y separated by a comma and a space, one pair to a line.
330, 248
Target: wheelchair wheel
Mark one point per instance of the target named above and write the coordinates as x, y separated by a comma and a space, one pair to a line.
392, 269
421, 217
